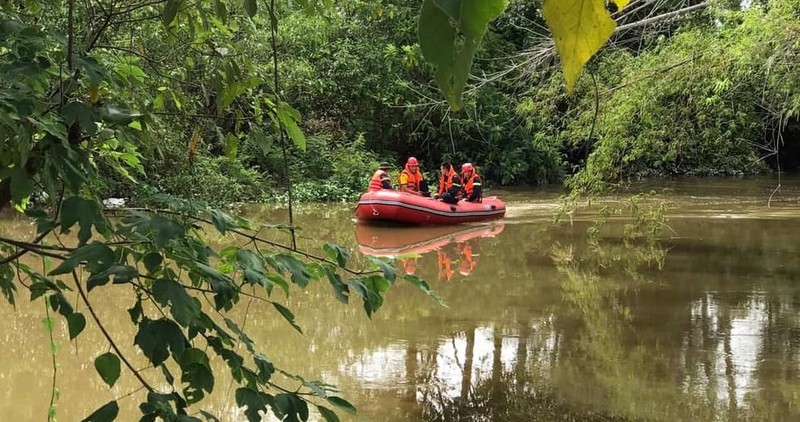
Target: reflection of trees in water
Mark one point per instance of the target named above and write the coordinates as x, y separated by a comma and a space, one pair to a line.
703, 340
503, 394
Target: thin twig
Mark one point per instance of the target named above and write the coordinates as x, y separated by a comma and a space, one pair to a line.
274, 31
663, 16
107, 335
70, 34
53, 354
23, 251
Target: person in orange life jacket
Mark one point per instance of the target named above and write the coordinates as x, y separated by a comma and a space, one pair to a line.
471, 191
411, 179
381, 180
449, 184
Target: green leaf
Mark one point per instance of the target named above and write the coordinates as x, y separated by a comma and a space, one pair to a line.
121, 274
161, 229
84, 212
7, 284
107, 366
96, 256
41, 287
59, 303
300, 274
388, 269
156, 338
342, 404
170, 11
328, 414
21, 186
223, 221
450, 32
372, 300
336, 253
243, 337
255, 401
280, 281
93, 70
76, 322
288, 315
288, 407
107, 413
250, 7
289, 118
152, 261
423, 286
196, 373
136, 311
221, 11
580, 28
265, 367
76, 111
184, 308
340, 289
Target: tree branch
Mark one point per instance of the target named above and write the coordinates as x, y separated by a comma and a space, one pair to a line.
254, 238
23, 247
673, 14
106, 335
70, 34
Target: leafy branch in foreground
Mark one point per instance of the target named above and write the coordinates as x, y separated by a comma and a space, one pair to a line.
183, 290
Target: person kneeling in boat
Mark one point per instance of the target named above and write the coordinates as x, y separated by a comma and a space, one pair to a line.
471, 191
381, 180
449, 184
411, 179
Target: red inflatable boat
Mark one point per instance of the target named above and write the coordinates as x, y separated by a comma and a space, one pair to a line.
388, 205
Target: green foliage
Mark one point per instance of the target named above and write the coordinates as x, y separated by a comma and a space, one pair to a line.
220, 180
705, 101
169, 92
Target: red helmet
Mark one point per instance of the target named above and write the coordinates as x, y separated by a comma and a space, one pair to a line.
467, 167
412, 161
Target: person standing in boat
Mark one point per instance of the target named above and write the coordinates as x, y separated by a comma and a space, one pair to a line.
411, 179
449, 184
471, 191
381, 180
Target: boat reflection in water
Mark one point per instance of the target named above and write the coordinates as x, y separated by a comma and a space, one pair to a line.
457, 247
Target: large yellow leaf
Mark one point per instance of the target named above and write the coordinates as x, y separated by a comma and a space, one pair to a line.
580, 28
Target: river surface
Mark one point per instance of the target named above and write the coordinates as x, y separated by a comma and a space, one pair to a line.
542, 322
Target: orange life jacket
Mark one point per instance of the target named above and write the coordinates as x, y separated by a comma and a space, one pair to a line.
414, 179
446, 181
376, 183
470, 183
